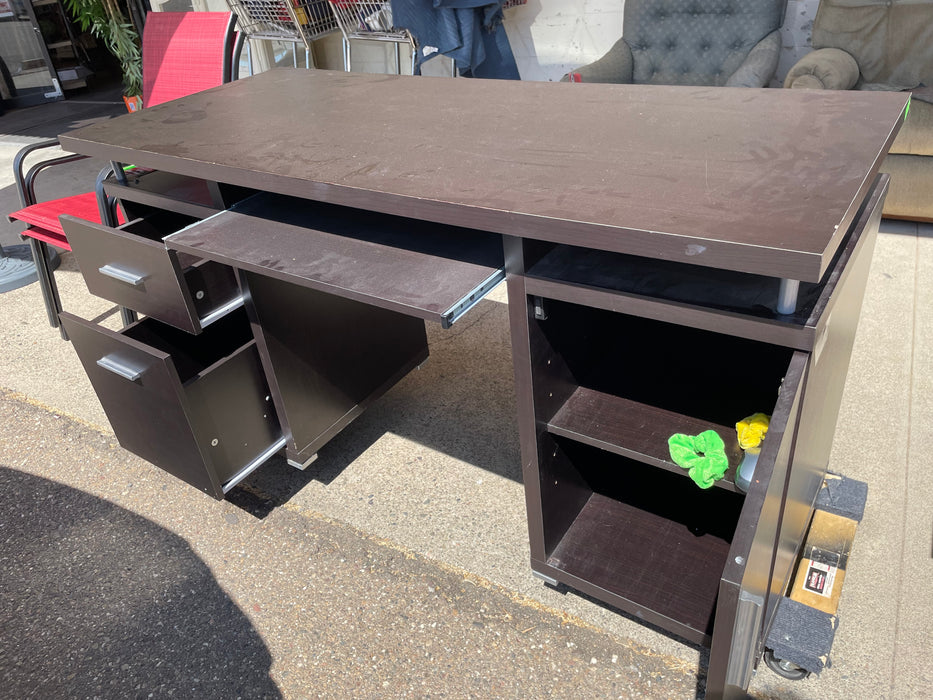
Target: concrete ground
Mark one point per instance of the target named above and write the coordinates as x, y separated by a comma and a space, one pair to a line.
397, 564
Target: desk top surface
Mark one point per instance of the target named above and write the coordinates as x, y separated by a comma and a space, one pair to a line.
763, 181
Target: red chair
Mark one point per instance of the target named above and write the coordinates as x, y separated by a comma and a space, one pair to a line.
183, 53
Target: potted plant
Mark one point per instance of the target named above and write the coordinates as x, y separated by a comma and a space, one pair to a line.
105, 20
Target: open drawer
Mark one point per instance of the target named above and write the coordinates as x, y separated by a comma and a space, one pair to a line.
196, 406
130, 266
431, 271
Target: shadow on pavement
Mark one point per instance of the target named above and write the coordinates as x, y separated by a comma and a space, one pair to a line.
96, 601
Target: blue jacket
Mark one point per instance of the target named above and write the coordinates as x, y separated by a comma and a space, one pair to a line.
468, 31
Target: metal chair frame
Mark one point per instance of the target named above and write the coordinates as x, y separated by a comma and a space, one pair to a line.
363, 20
26, 188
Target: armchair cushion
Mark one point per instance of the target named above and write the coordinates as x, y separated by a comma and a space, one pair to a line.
760, 64
829, 69
890, 44
890, 40
916, 136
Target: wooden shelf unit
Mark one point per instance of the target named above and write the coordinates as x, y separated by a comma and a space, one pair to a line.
620, 519
614, 354
635, 430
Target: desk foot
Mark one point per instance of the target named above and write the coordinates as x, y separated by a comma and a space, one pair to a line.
303, 465
550, 581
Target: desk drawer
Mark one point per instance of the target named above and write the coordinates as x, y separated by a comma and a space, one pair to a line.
130, 266
196, 406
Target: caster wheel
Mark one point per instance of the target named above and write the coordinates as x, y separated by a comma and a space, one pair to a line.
785, 669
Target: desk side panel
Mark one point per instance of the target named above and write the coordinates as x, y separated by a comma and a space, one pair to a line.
326, 358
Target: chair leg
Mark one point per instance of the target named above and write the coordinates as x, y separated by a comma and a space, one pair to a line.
50, 297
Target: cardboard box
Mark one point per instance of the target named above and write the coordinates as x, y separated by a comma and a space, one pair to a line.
822, 567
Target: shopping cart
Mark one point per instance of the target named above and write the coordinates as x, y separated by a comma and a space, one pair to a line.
295, 21
370, 21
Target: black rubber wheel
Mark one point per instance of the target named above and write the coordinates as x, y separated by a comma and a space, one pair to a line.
785, 669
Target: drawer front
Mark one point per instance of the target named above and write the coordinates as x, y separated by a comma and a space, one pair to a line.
133, 271
141, 394
210, 430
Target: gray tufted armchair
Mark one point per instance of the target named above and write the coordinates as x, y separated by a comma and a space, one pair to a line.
693, 42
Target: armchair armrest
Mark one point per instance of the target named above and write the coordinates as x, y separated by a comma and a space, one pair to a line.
759, 66
827, 69
26, 180
614, 67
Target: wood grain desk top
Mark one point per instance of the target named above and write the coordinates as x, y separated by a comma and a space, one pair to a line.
762, 181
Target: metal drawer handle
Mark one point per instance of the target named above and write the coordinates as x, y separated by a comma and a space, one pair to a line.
118, 273
119, 368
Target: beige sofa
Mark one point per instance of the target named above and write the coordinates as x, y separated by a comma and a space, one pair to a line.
882, 45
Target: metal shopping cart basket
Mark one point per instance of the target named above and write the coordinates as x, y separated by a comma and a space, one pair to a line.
296, 21
370, 21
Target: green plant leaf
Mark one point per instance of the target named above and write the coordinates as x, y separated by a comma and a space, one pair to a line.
105, 20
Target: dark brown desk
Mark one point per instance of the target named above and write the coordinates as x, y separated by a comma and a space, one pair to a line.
649, 235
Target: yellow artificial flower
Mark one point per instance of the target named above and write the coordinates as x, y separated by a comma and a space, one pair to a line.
752, 430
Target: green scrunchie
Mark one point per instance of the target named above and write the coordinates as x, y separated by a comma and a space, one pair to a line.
704, 455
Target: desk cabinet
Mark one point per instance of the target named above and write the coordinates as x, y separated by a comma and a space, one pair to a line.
184, 388
335, 303
616, 354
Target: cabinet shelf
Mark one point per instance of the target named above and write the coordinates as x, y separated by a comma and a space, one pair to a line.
751, 295
635, 430
677, 578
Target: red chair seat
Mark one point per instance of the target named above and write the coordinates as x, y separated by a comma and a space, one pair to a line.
53, 237
43, 217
